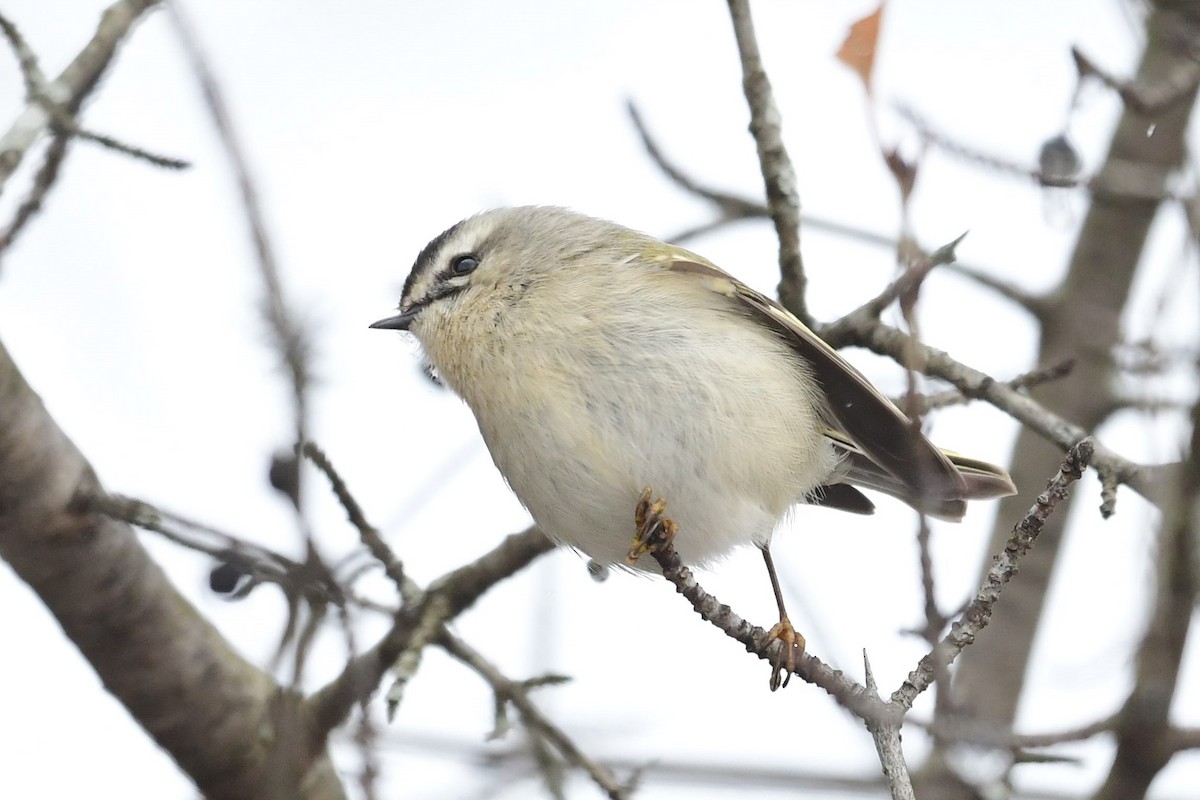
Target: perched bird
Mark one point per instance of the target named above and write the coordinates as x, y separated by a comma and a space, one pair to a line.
599, 361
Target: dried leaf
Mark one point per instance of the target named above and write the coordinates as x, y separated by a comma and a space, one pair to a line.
858, 50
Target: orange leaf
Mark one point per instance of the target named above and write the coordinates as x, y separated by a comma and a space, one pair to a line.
858, 50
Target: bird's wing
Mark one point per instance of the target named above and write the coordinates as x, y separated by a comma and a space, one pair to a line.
867, 418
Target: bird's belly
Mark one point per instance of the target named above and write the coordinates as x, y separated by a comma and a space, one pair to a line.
729, 453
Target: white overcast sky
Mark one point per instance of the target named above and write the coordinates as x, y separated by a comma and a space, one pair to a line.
131, 307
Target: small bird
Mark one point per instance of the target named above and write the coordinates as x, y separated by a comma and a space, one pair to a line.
599, 361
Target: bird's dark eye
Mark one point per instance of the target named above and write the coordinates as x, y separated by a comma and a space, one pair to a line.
462, 265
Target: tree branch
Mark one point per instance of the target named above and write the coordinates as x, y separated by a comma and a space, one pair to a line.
1004, 566
777, 171
223, 720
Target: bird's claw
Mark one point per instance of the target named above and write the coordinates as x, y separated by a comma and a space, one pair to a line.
654, 531
783, 666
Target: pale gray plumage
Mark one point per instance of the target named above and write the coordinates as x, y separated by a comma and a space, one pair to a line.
599, 361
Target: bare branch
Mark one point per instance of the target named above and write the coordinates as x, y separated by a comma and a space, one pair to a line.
366, 532
909, 281
778, 173
43, 182
180, 680
1026, 380
1035, 304
756, 640
259, 563
887, 744
51, 105
1146, 99
71, 87
517, 693
420, 623
730, 206
1004, 566
1119, 180
972, 383
1061, 737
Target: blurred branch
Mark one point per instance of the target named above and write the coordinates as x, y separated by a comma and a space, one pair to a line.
1088, 309
259, 564
1120, 179
288, 335
777, 171
419, 623
1061, 737
1035, 304
1022, 382
43, 181
1149, 99
72, 86
1145, 740
517, 693
506, 690
729, 206
916, 270
52, 106
1185, 739
733, 208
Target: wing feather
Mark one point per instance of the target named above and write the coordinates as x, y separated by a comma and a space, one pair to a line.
866, 417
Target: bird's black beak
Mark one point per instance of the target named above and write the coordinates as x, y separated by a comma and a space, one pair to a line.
400, 322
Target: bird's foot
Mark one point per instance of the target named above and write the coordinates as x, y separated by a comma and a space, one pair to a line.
783, 666
654, 531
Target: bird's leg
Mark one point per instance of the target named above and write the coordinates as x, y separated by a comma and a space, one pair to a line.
792, 642
653, 529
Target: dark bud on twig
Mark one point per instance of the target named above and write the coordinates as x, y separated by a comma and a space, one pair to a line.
1059, 162
284, 475
231, 579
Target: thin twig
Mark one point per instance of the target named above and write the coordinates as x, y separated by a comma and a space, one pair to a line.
731, 206
43, 182
517, 693
421, 622
1078, 734
1004, 566
1024, 381
1145, 98
260, 564
1112, 468
367, 533
73, 85
778, 174
289, 337
1133, 182
52, 105
847, 692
